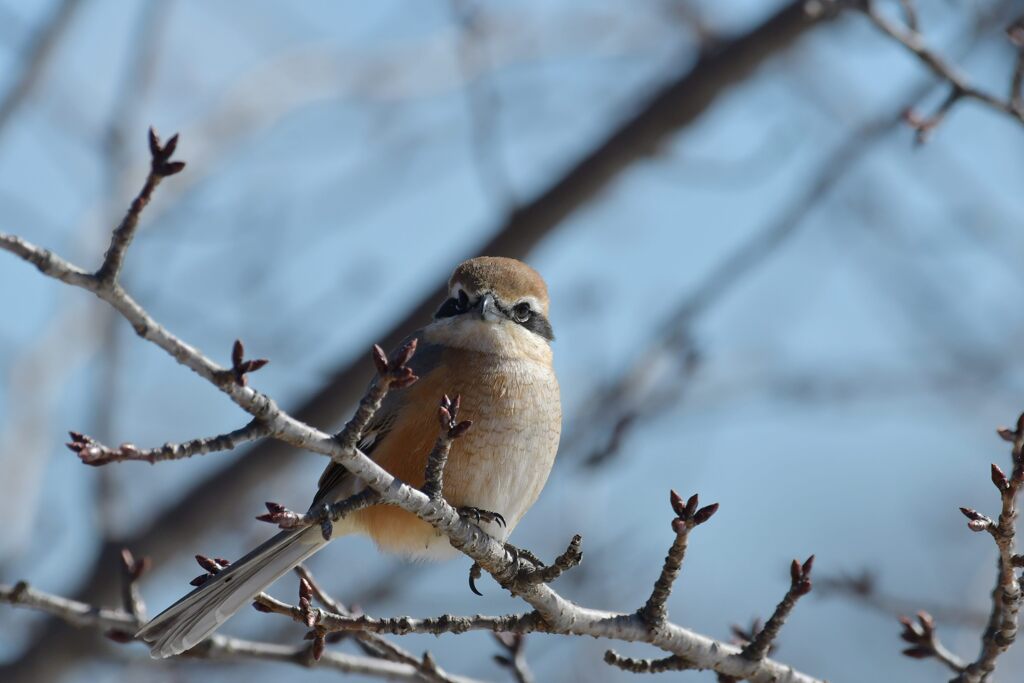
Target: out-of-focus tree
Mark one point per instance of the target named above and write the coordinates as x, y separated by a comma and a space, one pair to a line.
781, 242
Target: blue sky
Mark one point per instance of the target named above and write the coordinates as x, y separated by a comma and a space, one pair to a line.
848, 389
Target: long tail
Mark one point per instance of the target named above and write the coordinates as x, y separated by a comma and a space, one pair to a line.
187, 622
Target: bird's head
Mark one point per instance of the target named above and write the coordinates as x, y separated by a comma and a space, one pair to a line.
496, 305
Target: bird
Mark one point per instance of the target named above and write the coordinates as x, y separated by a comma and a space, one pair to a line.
489, 343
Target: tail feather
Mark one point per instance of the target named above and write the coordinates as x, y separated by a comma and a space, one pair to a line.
187, 622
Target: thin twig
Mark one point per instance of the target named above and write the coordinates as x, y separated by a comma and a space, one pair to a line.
514, 658
451, 429
132, 569
323, 516
688, 516
799, 586
375, 643
960, 86
160, 167
392, 373
925, 643
116, 622
94, 453
1006, 597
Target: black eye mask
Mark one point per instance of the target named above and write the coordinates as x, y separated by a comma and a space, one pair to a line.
521, 314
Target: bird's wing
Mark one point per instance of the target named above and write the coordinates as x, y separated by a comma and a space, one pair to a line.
336, 483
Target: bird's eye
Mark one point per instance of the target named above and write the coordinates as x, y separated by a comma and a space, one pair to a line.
521, 312
463, 300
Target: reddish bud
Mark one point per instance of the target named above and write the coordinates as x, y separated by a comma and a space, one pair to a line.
909, 633
407, 378
254, 365
919, 652
171, 168
927, 621
260, 607
677, 502
971, 513
168, 149
154, 142
705, 513
208, 564
319, 645
405, 354
999, 478
691, 505
237, 353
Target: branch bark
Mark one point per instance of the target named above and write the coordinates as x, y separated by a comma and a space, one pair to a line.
217, 647
502, 562
672, 107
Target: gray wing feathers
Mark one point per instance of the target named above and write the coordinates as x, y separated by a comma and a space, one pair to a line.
186, 623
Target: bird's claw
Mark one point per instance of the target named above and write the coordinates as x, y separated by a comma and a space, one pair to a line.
482, 515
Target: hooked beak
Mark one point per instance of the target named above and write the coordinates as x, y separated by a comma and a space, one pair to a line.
488, 309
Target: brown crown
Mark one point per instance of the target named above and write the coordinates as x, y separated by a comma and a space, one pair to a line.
507, 278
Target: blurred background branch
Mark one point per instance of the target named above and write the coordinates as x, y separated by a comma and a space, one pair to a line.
826, 309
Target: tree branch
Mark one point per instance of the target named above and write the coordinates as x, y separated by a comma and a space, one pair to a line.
688, 516
116, 621
91, 452
673, 105
36, 56
960, 86
559, 614
925, 643
1006, 597
799, 586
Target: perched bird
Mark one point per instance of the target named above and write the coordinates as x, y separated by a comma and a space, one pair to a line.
489, 342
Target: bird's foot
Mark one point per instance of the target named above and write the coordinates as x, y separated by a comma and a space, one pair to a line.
526, 569
476, 514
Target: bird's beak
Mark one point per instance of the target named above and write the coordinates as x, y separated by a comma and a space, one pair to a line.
488, 309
